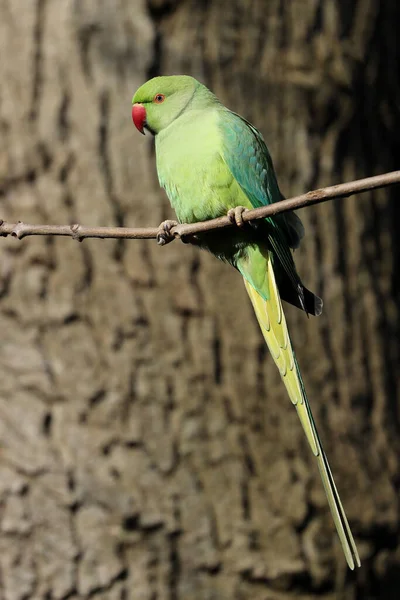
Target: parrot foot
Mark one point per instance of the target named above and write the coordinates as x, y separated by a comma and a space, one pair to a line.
164, 235
235, 215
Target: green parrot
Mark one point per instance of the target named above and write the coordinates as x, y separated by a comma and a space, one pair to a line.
212, 162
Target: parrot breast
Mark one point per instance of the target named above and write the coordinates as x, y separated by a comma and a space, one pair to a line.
192, 170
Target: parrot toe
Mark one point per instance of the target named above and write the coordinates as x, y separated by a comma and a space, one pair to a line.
235, 215
164, 235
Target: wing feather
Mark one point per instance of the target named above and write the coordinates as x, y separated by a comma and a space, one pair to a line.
246, 155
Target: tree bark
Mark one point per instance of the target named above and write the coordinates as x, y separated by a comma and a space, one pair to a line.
148, 448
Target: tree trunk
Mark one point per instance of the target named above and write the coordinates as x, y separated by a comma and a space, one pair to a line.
148, 447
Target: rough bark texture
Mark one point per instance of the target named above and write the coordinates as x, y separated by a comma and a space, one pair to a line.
148, 449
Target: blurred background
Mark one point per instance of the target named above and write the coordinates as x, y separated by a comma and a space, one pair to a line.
148, 449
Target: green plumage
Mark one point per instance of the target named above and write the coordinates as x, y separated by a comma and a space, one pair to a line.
210, 160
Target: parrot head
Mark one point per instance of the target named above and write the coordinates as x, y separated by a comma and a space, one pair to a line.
159, 101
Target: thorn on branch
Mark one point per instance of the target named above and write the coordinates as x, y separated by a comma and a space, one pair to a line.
75, 232
18, 231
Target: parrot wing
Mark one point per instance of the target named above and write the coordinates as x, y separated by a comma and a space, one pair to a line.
246, 155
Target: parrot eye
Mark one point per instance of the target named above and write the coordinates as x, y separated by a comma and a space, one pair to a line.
159, 98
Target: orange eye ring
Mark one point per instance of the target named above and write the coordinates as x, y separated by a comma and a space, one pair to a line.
159, 98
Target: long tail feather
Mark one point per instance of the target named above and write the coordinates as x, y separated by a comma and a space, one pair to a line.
273, 326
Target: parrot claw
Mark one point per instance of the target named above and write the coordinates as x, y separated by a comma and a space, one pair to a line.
164, 235
235, 215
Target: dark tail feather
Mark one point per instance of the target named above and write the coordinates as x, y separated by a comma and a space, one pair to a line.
303, 299
313, 303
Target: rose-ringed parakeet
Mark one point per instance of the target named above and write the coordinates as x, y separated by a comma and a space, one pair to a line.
212, 162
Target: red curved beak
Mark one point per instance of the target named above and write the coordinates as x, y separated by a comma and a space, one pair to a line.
139, 117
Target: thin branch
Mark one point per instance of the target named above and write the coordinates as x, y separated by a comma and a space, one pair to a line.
79, 232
